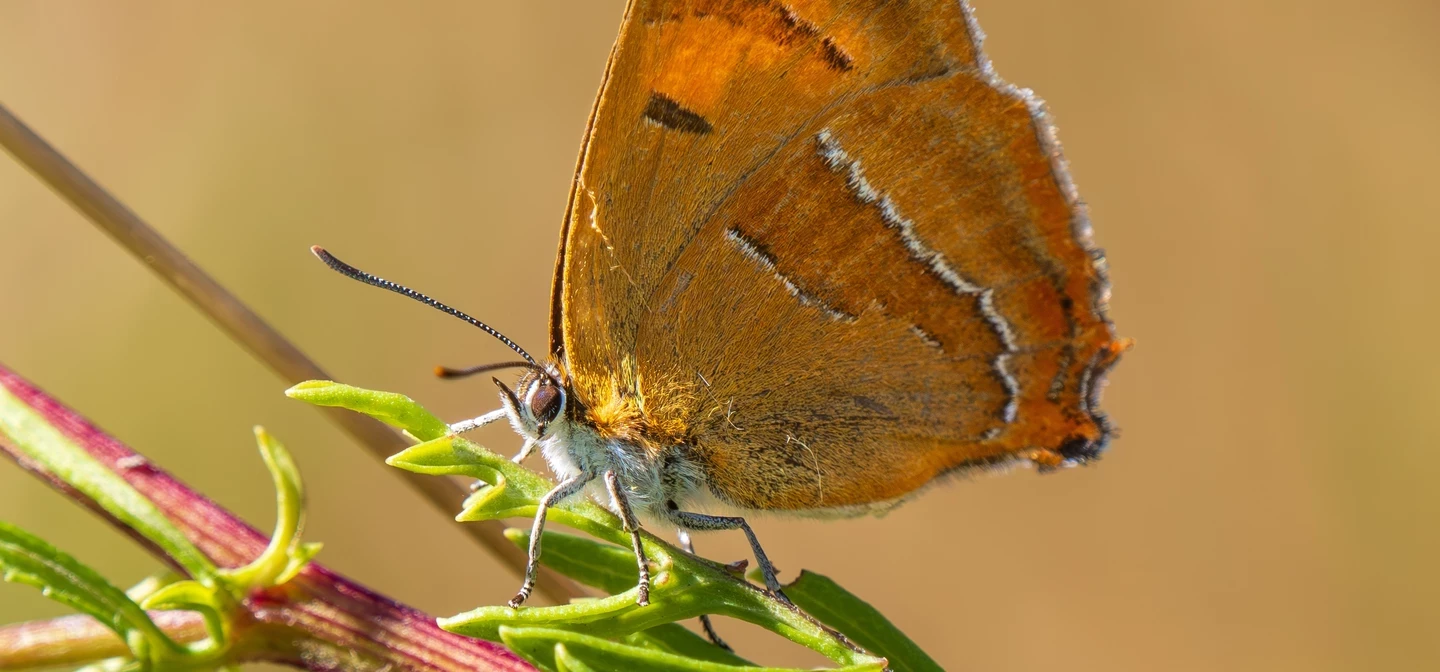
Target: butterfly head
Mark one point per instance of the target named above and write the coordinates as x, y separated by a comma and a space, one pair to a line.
538, 402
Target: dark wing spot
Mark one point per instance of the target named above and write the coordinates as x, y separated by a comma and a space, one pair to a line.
771, 19
1080, 450
835, 57
670, 114
871, 405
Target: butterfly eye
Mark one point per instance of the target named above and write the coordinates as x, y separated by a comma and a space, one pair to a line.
545, 400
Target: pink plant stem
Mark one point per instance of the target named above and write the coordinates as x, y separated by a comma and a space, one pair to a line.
318, 621
76, 640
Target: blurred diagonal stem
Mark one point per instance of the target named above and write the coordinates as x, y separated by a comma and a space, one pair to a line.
244, 326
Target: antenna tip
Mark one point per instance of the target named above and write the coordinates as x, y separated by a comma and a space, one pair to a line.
319, 251
442, 372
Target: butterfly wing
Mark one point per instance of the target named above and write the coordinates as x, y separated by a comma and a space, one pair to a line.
812, 238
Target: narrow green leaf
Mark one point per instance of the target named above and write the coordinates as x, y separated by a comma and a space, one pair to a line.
488, 622
447, 456
396, 410
677, 639
299, 557
531, 645
545, 646
512, 489
192, 596
567, 662
148, 585
612, 569
56, 453
495, 502
840, 609
25, 558
285, 555
605, 566
454, 456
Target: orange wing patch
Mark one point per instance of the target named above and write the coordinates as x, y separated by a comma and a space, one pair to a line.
832, 239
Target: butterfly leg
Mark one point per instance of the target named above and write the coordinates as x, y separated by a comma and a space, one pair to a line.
612, 483
525, 451
705, 624
476, 423
566, 488
701, 521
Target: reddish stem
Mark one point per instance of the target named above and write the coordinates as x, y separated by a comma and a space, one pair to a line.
318, 621
76, 640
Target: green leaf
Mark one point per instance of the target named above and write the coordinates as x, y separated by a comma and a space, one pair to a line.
448, 456
547, 648
299, 557
192, 596
840, 609
57, 454
495, 502
25, 558
677, 639
396, 410
682, 586
567, 662
439, 453
510, 491
612, 569
488, 622
455, 456
605, 566
285, 556
148, 585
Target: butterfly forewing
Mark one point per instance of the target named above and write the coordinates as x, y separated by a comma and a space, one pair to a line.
808, 236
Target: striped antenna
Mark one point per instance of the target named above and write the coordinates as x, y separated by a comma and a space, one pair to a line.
357, 274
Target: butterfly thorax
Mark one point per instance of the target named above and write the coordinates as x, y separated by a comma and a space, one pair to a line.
588, 429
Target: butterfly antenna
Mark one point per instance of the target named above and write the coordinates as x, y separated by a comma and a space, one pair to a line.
451, 374
357, 274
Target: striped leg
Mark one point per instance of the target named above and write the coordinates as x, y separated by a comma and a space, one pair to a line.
612, 483
525, 451
476, 423
705, 624
701, 521
566, 488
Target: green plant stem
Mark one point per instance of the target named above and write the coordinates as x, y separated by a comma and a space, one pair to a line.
76, 640
319, 620
243, 325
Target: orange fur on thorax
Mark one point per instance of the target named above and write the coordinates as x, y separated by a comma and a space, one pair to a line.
627, 407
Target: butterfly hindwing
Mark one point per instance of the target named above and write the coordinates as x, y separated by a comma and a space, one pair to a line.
807, 236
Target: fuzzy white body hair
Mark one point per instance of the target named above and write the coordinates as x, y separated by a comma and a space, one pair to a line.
648, 483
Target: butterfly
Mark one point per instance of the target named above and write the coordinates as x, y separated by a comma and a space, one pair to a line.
817, 256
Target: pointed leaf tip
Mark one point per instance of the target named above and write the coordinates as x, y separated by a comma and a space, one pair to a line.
396, 410
298, 390
838, 608
285, 556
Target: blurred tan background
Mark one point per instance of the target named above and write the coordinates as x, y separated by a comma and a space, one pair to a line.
1262, 173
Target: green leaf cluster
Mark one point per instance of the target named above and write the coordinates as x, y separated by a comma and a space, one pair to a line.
212, 592
612, 633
